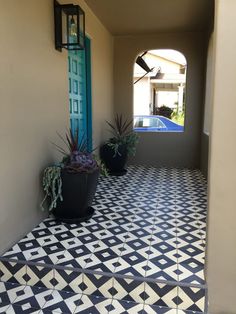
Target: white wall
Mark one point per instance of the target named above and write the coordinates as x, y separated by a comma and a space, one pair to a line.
34, 105
165, 65
167, 98
142, 96
221, 275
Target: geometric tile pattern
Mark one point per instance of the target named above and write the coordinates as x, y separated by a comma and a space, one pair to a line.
25, 299
13, 272
145, 245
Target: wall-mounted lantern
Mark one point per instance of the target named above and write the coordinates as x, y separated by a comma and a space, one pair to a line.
69, 26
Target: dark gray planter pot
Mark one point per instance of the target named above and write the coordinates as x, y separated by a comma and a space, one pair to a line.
115, 163
78, 190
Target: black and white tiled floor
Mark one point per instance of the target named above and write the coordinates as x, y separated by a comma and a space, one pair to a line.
25, 299
141, 252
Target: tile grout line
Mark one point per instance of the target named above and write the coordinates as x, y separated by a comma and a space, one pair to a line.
110, 274
177, 248
120, 256
157, 203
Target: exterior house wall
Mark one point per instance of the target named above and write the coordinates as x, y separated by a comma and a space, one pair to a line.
34, 105
169, 149
209, 89
165, 65
142, 96
221, 270
208, 106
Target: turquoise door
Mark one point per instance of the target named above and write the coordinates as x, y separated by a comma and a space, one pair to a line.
80, 92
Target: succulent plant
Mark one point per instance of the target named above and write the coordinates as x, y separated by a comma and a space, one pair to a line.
122, 133
81, 162
76, 160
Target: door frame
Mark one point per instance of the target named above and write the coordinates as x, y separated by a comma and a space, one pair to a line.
88, 77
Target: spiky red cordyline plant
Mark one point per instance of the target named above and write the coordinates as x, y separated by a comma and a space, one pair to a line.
72, 142
77, 158
121, 126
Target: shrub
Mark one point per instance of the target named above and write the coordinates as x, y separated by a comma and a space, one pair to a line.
164, 111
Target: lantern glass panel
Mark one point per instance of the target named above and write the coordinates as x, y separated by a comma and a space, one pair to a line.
73, 26
64, 28
81, 29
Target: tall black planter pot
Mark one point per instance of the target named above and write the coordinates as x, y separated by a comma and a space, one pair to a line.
78, 190
115, 163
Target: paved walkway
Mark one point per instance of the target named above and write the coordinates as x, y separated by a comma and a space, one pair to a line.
141, 252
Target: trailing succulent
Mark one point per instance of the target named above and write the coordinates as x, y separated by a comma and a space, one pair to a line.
122, 135
52, 185
76, 160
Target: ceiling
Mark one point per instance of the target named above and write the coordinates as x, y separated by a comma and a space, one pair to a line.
129, 17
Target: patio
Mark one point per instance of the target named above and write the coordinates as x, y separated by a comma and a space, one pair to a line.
142, 251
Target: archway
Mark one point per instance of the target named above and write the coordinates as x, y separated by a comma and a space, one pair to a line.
159, 100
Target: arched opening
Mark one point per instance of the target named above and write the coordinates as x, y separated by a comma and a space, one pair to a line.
159, 100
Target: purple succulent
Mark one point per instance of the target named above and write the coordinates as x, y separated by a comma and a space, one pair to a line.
82, 162
76, 158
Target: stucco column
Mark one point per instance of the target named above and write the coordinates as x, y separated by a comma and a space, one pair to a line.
180, 98
221, 253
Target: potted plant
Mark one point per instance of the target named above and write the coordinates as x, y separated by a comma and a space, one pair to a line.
70, 186
115, 152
